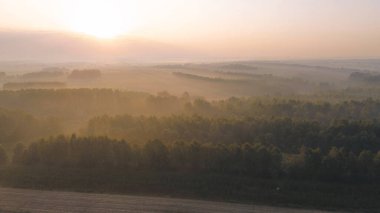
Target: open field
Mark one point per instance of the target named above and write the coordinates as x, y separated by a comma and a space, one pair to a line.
20, 200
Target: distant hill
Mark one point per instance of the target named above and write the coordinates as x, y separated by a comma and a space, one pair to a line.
33, 85
88, 74
239, 67
45, 73
365, 77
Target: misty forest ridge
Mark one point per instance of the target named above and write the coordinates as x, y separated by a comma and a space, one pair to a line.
252, 131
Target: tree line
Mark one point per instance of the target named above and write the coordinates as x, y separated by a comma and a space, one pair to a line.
82, 104
251, 160
287, 134
20, 127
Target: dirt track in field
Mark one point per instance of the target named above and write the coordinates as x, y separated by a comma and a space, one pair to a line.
21, 200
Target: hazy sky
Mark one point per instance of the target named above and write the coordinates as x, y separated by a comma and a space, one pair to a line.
220, 28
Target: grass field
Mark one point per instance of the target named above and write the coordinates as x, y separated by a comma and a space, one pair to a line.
21, 200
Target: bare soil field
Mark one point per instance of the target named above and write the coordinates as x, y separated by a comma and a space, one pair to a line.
22, 200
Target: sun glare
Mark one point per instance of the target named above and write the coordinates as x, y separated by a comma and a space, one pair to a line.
100, 19
105, 28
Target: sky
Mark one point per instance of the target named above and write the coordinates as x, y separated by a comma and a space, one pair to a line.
252, 29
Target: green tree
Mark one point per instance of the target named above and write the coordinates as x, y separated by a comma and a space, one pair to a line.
18, 154
3, 156
156, 154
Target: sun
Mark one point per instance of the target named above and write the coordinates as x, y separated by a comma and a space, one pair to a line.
100, 19
104, 28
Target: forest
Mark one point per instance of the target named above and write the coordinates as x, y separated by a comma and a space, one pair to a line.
106, 140
252, 132
247, 159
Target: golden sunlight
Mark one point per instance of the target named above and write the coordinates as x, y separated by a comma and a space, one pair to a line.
100, 19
